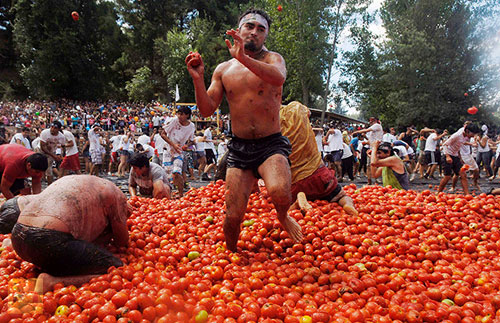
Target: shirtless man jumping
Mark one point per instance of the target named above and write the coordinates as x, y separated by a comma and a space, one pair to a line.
253, 83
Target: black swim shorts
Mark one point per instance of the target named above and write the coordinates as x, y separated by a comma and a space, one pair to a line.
251, 153
9, 213
59, 253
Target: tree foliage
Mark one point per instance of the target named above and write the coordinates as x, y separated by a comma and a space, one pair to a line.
421, 71
60, 57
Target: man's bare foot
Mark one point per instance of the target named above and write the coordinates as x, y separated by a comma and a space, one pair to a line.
44, 283
293, 228
349, 209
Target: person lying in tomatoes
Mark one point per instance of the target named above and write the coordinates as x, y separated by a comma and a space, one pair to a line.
62, 230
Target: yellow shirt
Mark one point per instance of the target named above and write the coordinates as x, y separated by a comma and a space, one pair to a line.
305, 157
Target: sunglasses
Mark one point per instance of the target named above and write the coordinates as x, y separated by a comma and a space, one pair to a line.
385, 151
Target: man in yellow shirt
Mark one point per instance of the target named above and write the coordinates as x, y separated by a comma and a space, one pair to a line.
309, 174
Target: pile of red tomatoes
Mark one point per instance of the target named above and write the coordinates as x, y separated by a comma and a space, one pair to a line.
408, 257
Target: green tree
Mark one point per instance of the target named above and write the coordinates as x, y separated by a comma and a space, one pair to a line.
421, 72
141, 87
60, 57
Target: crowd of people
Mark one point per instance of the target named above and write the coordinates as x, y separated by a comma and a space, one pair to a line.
413, 155
62, 229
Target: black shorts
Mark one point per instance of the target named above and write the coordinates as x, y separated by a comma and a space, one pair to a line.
210, 156
251, 153
453, 167
431, 157
59, 253
9, 213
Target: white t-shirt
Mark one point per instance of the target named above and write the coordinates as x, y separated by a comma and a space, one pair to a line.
178, 133
335, 141
115, 143
431, 142
208, 136
150, 151
36, 143
346, 151
160, 143
52, 141
376, 134
389, 137
401, 151
199, 143
94, 143
156, 121
143, 139
454, 143
319, 141
221, 149
73, 150
24, 141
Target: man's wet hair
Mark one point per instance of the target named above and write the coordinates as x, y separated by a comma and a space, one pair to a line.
259, 12
139, 160
38, 161
473, 128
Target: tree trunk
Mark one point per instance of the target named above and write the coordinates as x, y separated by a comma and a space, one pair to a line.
305, 92
330, 63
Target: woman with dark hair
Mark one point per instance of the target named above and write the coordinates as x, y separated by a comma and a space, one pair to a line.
385, 163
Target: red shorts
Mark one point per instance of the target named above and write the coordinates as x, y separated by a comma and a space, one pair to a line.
320, 185
71, 162
114, 157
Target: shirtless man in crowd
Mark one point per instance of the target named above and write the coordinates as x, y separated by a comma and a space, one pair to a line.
253, 84
64, 229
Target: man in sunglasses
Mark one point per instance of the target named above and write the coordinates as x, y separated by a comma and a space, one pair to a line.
385, 163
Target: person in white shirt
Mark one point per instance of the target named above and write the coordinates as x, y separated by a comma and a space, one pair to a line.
156, 122
123, 152
21, 138
144, 139
334, 141
71, 160
209, 153
201, 159
451, 150
159, 147
221, 148
347, 161
389, 136
431, 154
177, 132
50, 139
318, 132
95, 149
115, 145
374, 134
145, 149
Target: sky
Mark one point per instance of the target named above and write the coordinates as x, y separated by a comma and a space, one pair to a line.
345, 45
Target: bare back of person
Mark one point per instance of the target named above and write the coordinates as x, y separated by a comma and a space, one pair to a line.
76, 204
254, 104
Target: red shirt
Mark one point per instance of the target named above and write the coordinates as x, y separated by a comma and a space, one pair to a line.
13, 161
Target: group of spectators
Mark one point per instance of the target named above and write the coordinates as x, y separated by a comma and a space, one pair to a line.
105, 137
424, 154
